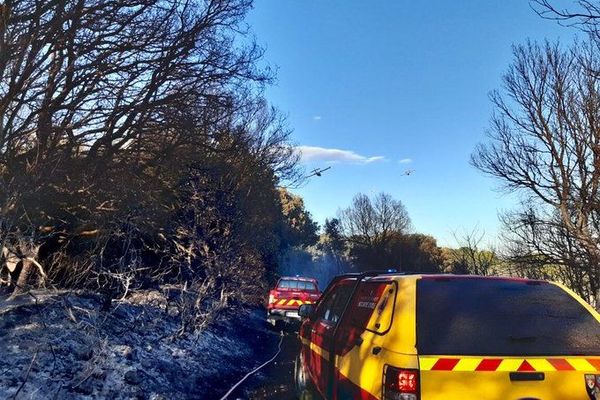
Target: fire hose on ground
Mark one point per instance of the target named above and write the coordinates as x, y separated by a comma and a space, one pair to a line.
255, 370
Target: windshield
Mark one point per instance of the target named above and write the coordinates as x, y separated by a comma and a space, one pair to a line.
502, 317
295, 284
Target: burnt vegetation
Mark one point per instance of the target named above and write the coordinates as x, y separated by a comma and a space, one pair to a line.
544, 145
136, 149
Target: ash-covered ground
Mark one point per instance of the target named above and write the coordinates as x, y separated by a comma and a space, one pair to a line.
62, 346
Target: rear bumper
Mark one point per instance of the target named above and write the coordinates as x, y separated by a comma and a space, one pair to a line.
280, 314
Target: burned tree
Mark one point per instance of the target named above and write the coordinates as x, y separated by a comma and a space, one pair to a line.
544, 143
371, 225
470, 257
583, 14
110, 113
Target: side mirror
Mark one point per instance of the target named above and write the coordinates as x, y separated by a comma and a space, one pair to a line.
306, 310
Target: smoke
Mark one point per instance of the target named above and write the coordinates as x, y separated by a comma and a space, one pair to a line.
314, 263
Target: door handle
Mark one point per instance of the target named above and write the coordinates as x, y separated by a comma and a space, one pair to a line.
376, 350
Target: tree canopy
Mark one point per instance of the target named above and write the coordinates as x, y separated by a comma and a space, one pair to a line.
377, 231
544, 143
136, 147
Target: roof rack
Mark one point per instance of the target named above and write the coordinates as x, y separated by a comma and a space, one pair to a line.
359, 275
374, 272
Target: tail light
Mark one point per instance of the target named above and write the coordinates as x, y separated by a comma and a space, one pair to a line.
592, 384
271, 298
400, 384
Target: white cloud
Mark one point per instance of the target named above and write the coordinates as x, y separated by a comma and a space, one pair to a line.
405, 161
314, 153
317, 118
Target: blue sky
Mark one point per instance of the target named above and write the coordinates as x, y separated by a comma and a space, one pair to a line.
366, 84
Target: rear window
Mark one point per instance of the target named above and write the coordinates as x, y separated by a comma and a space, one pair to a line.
294, 284
502, 317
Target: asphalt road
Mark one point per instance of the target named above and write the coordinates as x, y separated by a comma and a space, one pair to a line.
276, 380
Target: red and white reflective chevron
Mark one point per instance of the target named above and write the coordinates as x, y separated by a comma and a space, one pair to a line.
291, 302
534, 364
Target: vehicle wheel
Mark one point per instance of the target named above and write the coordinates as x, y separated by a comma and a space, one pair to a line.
278, 325
302, 382
274, 324
294, 326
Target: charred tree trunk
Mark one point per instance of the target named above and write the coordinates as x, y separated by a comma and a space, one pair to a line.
26, 275
31, 271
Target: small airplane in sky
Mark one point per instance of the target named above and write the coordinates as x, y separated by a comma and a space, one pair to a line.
317, 172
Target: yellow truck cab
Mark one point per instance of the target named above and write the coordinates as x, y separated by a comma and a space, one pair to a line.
448, 337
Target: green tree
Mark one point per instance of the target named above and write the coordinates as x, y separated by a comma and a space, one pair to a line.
420, 253
332, 239
298, 228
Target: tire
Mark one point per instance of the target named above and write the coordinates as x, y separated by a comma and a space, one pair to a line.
274, 323
302, 382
